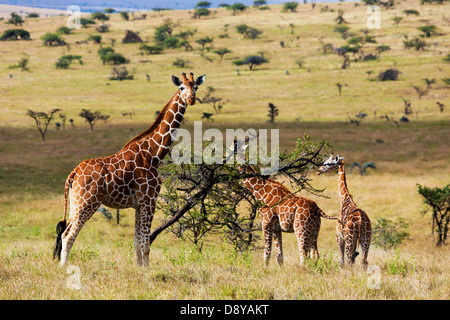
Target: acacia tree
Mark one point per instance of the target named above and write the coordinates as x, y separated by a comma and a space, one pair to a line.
42, 120
91, 117
438, 200
203, 198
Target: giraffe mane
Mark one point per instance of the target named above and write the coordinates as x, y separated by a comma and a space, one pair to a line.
154, 125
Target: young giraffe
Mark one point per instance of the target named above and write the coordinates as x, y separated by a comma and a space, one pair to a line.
284, 211
128, 178
353, 223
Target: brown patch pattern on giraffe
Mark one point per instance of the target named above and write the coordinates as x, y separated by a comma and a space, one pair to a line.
128, 178
353, 224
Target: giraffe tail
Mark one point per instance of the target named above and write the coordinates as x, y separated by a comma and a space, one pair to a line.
324, 215
62, 225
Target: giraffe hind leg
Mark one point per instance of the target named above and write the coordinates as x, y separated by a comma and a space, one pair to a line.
277, 239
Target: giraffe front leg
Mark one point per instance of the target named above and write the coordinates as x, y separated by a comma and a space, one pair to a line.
267, 232
341, 245
137, 236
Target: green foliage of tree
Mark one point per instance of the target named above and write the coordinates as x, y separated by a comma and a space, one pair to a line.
95, 38
428, 30
22, 64
290, 6
100, 16
201, 12
438, 200
66, 60
125, 15
52, 40
203, 4
85, 22
42, 120
151, 49
416, 43
64, 30
237, 7
120, 73
91, 117
251, 61
202, 199
15, 19
221, 52
248, 32
15, 34
273, 112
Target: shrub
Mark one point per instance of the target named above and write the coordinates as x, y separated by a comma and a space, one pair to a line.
180, 63
237, 7
22, 64
64, 30
251, 61
99, 16
52, 39
15, 19
33, 15
447, 58
388, 75
151, 49
428, 31
114, 58
103, 28
388, 234
120, 74
290, 6
85, 22
15, 34
415, 43
95, 38
172, 42
62, 64
65, 61
201, 12
125, 15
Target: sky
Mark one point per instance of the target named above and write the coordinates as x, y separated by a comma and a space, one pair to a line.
91, 5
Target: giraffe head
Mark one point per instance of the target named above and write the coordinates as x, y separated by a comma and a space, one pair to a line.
188, 86
331, 164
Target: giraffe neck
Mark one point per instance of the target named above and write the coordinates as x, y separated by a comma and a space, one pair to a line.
344, 196
265, 190
155, 142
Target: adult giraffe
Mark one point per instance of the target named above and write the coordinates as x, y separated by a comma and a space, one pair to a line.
128, 178
353, 224
283, 212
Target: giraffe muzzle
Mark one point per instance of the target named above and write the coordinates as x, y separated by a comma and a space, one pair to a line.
191, 100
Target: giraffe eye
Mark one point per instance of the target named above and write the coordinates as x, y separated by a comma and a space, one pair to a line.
181, 88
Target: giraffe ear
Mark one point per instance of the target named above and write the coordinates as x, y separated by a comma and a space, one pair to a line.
200, 80
176, 81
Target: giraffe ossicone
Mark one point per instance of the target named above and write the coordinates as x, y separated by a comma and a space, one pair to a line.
126, 179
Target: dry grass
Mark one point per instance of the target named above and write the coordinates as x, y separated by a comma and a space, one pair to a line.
32, 173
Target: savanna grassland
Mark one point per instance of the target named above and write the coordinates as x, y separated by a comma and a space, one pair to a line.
32, 172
